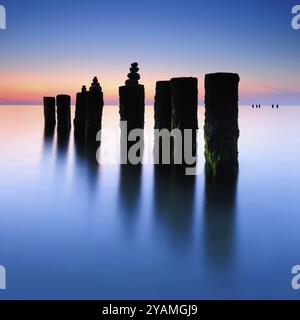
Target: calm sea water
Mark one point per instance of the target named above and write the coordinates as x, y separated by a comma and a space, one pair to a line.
71, 229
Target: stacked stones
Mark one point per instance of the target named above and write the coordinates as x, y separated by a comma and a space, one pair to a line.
49, 112
221, 123
80, 113
132, 100
63, 103
132, 111
94, 110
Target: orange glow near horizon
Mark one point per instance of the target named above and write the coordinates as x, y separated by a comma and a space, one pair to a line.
25, 87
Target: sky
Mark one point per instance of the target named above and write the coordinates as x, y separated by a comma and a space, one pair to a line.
53, 47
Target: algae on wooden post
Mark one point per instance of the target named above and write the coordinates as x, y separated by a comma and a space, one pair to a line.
221, 130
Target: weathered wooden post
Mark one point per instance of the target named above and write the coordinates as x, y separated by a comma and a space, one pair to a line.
162, 119
94, 110
49, 112
184, 99
221, 123
163, 105
132, 111
80, 112
63, 103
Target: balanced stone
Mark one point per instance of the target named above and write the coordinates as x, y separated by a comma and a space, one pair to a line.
80, 112
132, 100
94, 110
221, 123
49, 112
132, 112
63, 103
163, 105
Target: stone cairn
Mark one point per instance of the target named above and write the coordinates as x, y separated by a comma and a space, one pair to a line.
184, 99
80, 113
63, 103
221, 124
132, 100
132, 110
49, 112
94, 110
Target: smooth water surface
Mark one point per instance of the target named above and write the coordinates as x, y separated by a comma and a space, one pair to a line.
72, 229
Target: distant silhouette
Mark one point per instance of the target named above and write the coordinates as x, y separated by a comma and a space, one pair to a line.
221, 123
277, 106
80, 112
49, 112
63, 112
94, 111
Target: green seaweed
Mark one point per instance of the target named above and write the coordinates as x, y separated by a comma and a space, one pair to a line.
212, 158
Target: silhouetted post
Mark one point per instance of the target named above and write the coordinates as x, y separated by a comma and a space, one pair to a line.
253, 106
272, 106
49, 112
184, 98
221, 123
132, 110
163, 105
132, 100
94, 110
63, 103
80, 112
277, 106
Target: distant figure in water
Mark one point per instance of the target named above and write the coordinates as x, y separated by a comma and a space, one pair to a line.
277, 106
272, 106
253, 106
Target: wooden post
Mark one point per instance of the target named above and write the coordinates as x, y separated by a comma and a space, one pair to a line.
163, 105
184, 99
63, 112
80, 112
49, 112
95, 104
221, 123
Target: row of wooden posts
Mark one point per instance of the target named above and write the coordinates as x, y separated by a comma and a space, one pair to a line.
259, 106
176, 106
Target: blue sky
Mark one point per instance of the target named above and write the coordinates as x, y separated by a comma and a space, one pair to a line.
56, 46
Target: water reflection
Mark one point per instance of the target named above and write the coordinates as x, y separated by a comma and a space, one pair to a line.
174, 201
219, 220
49, 133
130, 179
85, 157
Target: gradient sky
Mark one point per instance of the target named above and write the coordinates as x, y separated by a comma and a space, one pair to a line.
53, 47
